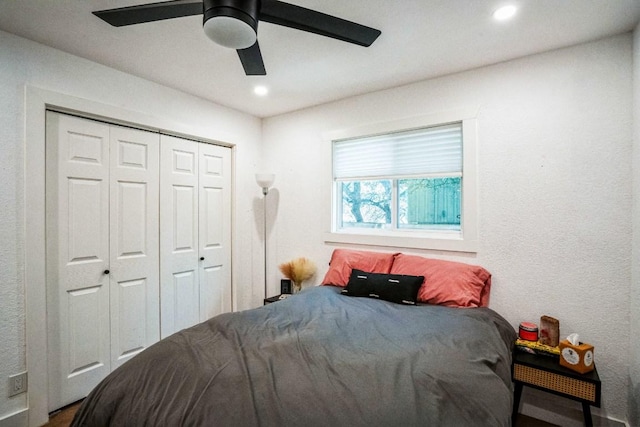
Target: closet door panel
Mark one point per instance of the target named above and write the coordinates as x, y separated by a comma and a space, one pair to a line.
179, 257
215, 230
129, 316
213, 298
84, 226
77, 223
134, 242
84, 334
185, 288
212, 209
184, 222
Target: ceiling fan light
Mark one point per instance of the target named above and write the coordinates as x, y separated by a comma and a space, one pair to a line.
230, 32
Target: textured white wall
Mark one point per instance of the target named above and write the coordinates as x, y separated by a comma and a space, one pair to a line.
554, 190
634, 371
26, 63
555, 185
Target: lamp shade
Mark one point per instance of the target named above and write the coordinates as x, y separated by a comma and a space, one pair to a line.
265, 180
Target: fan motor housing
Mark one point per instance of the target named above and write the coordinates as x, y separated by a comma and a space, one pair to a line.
245, 10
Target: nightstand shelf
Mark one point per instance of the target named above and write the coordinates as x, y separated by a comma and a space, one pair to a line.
545, 373
272, 299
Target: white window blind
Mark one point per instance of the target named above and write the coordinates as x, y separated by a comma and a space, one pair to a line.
427, 151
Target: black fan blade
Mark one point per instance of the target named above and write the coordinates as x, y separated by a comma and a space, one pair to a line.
150, 12
289, 15
251, 59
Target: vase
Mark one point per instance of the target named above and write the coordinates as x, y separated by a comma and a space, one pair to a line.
295, 287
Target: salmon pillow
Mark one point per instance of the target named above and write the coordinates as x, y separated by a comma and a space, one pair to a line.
345, 260
448, 283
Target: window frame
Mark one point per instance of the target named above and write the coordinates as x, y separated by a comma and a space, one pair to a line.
466, 240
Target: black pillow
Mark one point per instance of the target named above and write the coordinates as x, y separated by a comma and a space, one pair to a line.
396, 288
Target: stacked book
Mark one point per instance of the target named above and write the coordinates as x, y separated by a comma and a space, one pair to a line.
534, 347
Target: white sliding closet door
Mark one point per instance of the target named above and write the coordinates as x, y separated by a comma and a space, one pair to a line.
102, 251
195, 240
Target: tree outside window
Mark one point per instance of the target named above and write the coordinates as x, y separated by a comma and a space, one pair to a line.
424, 203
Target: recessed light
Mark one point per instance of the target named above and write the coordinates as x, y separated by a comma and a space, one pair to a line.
260, 90
504, 13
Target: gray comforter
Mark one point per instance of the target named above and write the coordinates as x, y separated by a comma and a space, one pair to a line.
318, 359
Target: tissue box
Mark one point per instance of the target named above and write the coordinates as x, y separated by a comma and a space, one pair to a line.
579, 358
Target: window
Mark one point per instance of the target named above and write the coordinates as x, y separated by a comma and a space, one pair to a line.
411, 187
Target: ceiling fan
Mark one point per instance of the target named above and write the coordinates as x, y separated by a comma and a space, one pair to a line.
234, 23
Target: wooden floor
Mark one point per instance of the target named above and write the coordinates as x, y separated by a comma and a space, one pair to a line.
64, 417
525, 421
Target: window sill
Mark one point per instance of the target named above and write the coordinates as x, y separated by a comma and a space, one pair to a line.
439, 242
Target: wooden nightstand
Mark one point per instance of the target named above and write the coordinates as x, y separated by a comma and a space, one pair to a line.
545, 373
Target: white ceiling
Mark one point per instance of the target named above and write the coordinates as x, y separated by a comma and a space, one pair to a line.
420, 39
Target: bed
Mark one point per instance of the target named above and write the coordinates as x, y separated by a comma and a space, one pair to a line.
318, 358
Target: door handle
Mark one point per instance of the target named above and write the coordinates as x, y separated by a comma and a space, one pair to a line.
201, 258
106, 272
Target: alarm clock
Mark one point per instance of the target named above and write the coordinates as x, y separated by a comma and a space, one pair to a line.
578, 358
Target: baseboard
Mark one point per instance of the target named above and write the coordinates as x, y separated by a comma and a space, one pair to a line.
17, 419
568, 418
562, 411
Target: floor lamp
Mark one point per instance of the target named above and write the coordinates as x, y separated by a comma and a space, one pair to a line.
265, 181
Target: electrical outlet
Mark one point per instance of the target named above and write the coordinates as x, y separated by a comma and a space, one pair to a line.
17, 384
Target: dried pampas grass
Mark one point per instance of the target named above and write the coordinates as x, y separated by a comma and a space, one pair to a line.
298, 270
